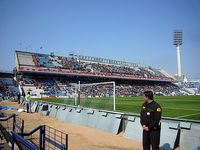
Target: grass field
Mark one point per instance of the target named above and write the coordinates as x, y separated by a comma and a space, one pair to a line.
187, 107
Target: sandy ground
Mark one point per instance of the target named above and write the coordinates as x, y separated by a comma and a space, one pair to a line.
80, 137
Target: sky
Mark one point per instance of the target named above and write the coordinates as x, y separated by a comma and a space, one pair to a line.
137, 31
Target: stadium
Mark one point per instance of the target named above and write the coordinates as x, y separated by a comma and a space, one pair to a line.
82, 89
99, 75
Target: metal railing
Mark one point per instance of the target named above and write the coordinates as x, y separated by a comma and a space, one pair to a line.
9, 124
55, 139
12, 123
47, 138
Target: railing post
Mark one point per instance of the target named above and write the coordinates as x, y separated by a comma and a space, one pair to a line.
14, 121
12, 140
41, 138
12, 143
44, 135
66, 141
22, 129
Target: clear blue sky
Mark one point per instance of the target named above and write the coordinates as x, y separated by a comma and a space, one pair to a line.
131, 30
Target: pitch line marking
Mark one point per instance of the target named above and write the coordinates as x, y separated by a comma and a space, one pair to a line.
187, 115
167, 107
170, 108
181, 108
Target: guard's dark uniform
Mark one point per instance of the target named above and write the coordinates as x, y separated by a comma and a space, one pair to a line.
150, 116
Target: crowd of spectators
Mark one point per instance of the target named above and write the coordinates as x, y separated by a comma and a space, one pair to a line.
128, 90
8, 89
73, 64
189, 84
58, 87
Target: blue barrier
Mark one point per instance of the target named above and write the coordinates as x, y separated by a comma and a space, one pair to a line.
60, 112
102, 121
89, 118
6, 108
77, 116
133, 129
93, 119
69, 115
53, 110
83, 117
185, 125
169, 134
114, 123
40, 107
190, 138
34, 106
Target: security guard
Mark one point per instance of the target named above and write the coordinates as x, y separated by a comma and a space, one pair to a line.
150, 121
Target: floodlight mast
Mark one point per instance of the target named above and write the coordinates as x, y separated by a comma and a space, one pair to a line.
177, 37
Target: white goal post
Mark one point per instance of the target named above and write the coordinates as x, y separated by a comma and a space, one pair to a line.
79, 85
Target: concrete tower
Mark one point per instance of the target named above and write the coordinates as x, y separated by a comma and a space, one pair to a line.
177, 37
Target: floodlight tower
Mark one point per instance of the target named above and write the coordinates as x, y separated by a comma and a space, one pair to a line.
177, 37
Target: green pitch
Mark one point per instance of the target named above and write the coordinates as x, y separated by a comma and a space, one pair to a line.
187, 107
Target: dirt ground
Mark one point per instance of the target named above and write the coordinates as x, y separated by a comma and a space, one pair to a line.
80, 137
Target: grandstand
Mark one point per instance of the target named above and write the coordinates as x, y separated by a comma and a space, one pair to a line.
131, 79
192, 87
8, 86
76, 65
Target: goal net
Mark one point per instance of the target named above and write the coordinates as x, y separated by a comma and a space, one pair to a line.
94, 95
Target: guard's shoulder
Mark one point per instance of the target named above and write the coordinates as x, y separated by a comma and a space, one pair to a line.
157, 107
155, 103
